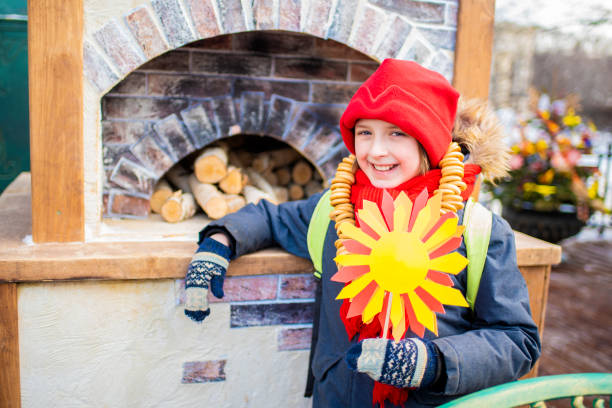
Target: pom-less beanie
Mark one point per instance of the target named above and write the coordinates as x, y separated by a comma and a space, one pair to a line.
419, 101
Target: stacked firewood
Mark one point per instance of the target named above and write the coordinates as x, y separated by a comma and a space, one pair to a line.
223, 180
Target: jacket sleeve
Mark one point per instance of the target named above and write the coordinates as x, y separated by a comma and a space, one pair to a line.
255, 227
503, 342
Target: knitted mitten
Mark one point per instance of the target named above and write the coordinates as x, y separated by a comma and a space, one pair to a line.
207, 269
410, 363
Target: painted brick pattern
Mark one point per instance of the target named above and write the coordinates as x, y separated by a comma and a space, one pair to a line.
417, 51
370, 22
146, 33
133, 84
117, 44
231, 15
311, 68
95, 68
171, 131
264, 14
318, 15
418, 11
203, 371
322, 142
203, 17
244, 315
394, 39
248, 288
133, 177
298, 134
294, 339
122, 132
174, 22
199, 125
279, 115
128, 205
342, 21
290, 13
297, 287
252, 112
152, 155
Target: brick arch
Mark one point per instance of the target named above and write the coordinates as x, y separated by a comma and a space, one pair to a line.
416, 30
136, 154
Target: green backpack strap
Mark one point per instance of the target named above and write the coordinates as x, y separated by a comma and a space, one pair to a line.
478, 221
317, 229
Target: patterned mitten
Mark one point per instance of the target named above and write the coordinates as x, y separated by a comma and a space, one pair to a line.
207, 269
410, 363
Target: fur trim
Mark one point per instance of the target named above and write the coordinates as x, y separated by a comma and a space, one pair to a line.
478, 130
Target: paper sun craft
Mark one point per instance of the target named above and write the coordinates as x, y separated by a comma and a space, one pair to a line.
398, 261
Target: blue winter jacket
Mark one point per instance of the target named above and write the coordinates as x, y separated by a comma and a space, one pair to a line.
495, 343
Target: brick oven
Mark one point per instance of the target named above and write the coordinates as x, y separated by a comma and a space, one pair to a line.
120, 92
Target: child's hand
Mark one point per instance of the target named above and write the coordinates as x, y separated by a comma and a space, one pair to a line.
410, 363
207, 269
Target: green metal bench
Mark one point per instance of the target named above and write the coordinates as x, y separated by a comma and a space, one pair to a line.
535, 391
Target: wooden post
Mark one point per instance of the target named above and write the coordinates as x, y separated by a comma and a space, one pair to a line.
10, 389
55, 60
474, 47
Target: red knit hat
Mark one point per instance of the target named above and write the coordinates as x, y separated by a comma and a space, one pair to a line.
420, 102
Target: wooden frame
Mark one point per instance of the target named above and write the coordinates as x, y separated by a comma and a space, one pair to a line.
474, 48
55, 64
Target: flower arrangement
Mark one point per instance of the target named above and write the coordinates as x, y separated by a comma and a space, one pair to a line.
545, 170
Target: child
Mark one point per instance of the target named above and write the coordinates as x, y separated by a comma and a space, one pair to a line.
398, 124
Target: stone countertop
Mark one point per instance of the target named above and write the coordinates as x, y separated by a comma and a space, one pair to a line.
21, 261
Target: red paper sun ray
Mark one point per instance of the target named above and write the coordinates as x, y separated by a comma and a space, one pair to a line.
365, 227
416, 327
360, 301
444, 249
437, 225
419, 204
429, 300
350, 273
356, 247
388, 207
439, 277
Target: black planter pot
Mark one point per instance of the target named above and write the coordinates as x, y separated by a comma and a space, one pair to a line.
548, 226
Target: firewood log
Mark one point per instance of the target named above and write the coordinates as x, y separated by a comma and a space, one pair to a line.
178, 207
211, 200
179, 177
296, 192
270, 177
161, 193
234, 202
281, 193
301, 173
260, 182
245, 158
253, 195
233, 181
262, 162
312, 187
283, 175
283, 157
211, 165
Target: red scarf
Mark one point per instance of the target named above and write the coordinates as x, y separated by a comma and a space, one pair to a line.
364, 190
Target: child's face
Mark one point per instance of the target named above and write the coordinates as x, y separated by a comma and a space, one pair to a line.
386, 154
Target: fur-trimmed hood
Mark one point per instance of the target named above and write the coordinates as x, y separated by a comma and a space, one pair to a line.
478, 130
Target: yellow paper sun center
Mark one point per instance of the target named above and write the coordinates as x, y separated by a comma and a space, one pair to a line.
399, 262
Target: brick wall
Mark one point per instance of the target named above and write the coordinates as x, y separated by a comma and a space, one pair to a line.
292, 87
287, 85
268, 300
